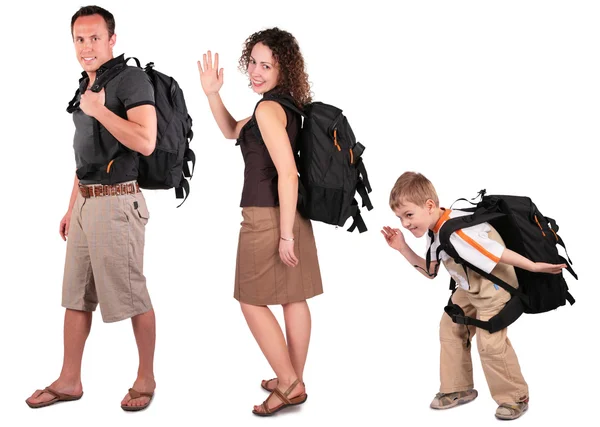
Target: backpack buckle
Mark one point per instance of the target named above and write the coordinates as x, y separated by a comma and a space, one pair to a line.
461, 320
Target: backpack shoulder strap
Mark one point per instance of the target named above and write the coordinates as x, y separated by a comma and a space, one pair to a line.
102, 81
74, 102
285, 101
479, 216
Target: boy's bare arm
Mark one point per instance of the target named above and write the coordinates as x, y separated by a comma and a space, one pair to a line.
516, 260
395, 239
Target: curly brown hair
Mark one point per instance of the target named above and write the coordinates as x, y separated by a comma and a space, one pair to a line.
286, 52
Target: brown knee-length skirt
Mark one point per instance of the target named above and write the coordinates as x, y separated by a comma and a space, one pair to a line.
261, 278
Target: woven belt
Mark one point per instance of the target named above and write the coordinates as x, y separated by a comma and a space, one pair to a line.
99, 190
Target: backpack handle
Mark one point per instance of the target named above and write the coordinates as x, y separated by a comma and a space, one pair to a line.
137, 61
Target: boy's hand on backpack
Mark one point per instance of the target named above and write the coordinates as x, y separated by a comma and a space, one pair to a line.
286, 253
91, 102
394, 238
543, 267
211, 78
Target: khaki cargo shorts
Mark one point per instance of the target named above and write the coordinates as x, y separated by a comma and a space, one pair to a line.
105, 257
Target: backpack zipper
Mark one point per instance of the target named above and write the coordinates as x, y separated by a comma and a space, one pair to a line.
335, 141
539, 225
339, 148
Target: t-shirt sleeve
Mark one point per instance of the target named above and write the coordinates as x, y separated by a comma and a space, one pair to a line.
474, 245
135, 89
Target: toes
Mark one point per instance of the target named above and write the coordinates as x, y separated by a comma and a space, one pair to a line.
35, 396
40, 396
141, 401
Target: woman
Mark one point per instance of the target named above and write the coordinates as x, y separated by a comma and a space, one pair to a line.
277, 257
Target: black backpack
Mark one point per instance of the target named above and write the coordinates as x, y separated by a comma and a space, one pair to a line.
167, 166
526, 231
330, 166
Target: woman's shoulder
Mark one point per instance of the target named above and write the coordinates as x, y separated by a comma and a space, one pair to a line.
269, 109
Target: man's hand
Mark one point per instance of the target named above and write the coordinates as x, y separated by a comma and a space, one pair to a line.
63, 229
91, 102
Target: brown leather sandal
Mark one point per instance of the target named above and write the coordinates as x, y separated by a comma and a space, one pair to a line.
285, 402
57, 397
264, 383
134, 394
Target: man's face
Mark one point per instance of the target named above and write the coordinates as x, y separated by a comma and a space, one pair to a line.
93, 46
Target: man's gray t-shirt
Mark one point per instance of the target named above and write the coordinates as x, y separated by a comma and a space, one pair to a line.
129, 89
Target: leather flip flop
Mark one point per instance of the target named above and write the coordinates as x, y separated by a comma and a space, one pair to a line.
57, 397
134, 394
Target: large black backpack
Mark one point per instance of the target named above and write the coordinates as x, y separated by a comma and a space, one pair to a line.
330, 166
167, 166
526, 231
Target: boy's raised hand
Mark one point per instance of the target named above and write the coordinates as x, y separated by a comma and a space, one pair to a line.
394, 237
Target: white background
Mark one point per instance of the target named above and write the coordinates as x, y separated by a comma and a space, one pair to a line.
474, 94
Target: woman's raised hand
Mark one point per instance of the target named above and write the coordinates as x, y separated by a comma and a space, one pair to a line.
211, 77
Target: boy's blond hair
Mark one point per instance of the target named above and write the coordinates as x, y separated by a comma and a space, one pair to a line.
412, 187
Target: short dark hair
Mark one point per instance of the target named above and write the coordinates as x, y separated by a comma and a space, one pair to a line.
96, 10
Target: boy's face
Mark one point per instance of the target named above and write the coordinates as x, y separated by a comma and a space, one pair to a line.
417, 219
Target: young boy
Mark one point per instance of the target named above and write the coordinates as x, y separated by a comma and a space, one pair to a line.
414, 200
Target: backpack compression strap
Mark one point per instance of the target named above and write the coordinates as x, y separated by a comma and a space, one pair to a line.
184, 186
560, 242
363, 187
358, 221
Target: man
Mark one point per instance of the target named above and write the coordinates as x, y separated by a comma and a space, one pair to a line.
107, 213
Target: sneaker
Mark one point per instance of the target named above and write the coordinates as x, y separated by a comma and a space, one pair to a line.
512, 411
450, 400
